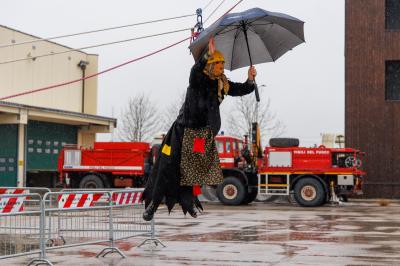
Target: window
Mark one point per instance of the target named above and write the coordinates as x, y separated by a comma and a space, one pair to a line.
392, 80
220, 147
392, 15
228, 147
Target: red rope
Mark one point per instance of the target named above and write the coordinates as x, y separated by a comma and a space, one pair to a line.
93, 75
106, 70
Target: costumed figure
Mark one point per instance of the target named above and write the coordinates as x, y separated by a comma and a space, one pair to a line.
188, 157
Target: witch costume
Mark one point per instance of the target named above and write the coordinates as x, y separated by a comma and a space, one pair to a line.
188, 156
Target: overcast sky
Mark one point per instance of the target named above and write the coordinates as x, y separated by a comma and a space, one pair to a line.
306, 85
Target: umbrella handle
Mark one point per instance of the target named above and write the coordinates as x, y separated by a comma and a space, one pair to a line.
256, 91
251, 61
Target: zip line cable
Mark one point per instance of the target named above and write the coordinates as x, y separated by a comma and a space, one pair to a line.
108, 69
100, 30
95, 31
95, 74
212, 13
105, 29
208, 4
93, 46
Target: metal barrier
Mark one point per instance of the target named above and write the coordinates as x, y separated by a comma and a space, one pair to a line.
78, 218
21, 230
127, 215
70, 218
24, 190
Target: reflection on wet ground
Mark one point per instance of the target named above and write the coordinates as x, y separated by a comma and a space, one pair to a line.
354, 233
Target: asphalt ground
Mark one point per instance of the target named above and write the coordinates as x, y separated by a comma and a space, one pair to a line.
358, 232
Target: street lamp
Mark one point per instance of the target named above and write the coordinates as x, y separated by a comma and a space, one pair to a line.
82, 64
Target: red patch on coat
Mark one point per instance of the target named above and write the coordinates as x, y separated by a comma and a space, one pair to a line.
199, 145
196, 190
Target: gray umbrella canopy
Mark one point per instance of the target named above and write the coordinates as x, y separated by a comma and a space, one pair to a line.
251, 37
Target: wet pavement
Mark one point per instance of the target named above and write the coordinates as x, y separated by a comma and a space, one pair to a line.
353, 233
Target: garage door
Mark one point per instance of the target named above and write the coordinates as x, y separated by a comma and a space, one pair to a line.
44, 142
8, 155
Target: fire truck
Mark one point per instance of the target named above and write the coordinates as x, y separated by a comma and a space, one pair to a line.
312, 176
107, 164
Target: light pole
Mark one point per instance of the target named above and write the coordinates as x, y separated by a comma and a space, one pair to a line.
82, 64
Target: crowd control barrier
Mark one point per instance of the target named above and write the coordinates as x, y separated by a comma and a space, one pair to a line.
34, 223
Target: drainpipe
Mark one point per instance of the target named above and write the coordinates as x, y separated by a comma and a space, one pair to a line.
82, 64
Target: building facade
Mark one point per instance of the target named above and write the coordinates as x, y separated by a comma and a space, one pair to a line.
372, 115
34, 127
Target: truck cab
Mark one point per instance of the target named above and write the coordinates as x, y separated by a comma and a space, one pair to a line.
240, 176
229, 151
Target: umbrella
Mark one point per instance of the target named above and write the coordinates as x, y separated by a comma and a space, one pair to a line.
251, 37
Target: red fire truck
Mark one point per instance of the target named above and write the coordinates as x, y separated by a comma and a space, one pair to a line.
312, 176
107, 164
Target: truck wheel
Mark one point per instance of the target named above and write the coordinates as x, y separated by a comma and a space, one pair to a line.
91, 181
251, 196
309, 192
231, 191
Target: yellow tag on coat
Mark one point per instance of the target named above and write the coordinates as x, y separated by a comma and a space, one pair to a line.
166, 149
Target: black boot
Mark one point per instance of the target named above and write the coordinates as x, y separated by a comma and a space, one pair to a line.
192, 212
149, 212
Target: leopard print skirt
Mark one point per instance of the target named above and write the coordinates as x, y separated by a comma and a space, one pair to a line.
199, 158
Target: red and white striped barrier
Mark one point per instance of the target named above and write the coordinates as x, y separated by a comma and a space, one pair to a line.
12, 204
4, 191
126, 198
78, 200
